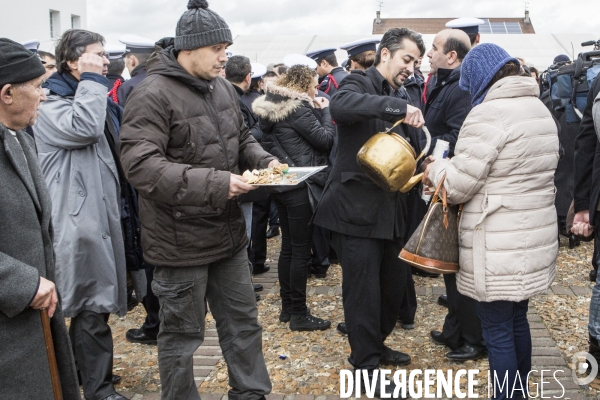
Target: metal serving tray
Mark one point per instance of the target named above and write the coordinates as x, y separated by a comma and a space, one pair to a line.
302, 173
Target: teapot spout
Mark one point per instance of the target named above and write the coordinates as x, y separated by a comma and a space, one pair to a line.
411, 183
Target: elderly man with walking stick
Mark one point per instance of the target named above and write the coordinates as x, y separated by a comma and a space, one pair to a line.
26, 253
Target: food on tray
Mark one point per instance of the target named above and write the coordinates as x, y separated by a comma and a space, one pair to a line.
271, 176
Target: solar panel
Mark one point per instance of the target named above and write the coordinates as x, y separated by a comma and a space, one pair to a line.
513, 28
485, 28
498, 28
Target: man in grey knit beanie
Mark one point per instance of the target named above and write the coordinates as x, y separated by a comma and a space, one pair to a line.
200, 27
183, 146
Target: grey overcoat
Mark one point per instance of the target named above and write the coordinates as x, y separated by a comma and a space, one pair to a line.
84, 185
26, 253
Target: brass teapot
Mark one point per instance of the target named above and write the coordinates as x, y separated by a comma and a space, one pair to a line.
390, 161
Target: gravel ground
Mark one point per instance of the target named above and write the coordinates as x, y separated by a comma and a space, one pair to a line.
313, 360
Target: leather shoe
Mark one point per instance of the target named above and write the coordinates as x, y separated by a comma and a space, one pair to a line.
115, 396
443, 300
272, 232
437, 337
341, 328
393, 357
466, 352
257, 296
116, 379
258, 287
260, 268
408, 326
138, 336
593, 275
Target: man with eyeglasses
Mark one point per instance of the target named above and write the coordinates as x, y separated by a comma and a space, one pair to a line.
77, 141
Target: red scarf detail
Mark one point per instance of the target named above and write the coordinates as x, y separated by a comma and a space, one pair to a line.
113, 92
424, 97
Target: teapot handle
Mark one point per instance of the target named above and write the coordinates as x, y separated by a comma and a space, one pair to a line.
427, 145
395, 125
427, 135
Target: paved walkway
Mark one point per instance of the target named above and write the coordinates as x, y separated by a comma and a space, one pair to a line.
546, 355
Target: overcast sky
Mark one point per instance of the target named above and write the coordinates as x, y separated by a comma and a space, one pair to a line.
157, 18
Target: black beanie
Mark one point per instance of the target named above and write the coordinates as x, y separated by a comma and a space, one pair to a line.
17, 64
200, 27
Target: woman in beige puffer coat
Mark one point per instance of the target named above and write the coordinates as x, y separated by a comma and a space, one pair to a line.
503, 172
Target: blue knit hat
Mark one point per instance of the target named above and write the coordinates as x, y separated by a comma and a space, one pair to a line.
479, 67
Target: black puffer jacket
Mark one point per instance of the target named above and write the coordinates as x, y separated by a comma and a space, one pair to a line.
293, 130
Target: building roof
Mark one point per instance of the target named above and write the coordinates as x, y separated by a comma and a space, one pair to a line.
434, 25
538, 49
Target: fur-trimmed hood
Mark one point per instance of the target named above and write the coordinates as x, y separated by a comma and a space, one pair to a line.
279, 102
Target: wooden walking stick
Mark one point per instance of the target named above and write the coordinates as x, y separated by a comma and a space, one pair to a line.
51, 356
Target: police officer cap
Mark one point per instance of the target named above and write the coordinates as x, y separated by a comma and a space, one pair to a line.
114, 51
321, 53
466, 24
32, 45
137, 44
258, 70
360, 46
298, 59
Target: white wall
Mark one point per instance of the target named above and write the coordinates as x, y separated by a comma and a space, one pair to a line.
22, 20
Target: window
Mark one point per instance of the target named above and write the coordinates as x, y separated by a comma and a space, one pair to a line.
54, 24
75, 21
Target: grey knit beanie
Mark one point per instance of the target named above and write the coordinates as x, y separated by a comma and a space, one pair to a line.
200, 27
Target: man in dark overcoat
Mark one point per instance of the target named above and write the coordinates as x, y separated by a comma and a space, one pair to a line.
367, 222
26, 252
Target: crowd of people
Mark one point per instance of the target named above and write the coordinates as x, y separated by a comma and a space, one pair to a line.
122, 191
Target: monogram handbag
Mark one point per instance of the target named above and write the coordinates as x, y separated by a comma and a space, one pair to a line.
433, 247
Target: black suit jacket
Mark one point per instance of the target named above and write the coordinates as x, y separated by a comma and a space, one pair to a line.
352, 204
587, 160
446, 109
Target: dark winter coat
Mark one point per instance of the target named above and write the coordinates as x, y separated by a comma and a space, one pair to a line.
181, 139
249, 97
563, 177
352, 204
328, 86
26, 254
293, 130
587, 160
446, 109
137, 75
250, 119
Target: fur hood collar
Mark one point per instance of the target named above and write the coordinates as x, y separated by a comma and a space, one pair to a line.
279, 102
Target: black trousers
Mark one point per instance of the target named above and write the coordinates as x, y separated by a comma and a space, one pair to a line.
92, 343
273, 214
408, 307
257, 251
152, 322
462, 325
295, 214
417, 208
373, 279
320, 250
